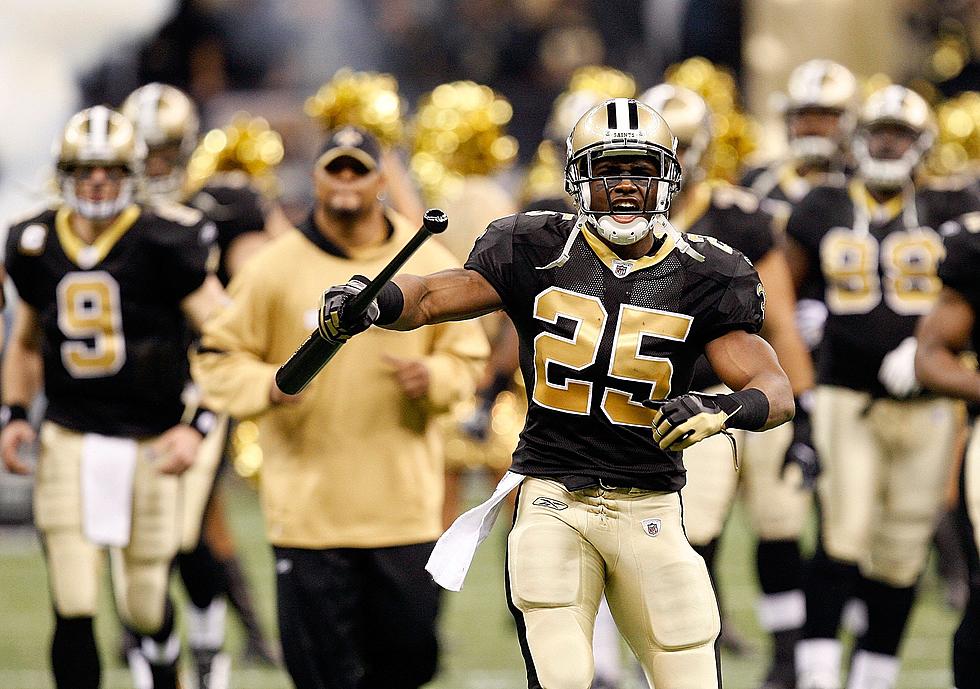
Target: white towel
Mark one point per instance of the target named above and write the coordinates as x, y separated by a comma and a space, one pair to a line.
454, 551
108, 468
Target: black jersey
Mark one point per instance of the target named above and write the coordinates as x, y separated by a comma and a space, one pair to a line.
113, 333
235, 208
735, 216
876, 267
599, 335
960, 267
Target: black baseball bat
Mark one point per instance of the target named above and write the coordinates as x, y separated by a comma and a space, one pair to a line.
297, 372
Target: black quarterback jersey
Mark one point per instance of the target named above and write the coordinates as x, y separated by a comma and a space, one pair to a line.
599, 335
113, 332
735, 216
876, 265
234, 207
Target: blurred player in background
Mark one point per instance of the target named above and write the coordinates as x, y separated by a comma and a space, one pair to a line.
167, 122
777, 499
820, 112
105, 288
352, 475
951, 329
874, 249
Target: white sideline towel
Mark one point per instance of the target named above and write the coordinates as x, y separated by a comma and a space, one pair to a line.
108, 468
454, 551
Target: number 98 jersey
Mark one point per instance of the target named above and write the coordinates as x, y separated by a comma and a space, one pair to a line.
599, 335
876, 265
114, 343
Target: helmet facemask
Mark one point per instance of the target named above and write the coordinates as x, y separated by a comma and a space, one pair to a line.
95, 210
820, 149
623, 221
889, 173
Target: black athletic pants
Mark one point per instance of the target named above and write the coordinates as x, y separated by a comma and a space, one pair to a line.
357, 618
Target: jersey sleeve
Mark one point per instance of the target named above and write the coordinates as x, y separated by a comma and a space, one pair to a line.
742, 304
957, 270
756, 235
18, 267
492, 256
234, 210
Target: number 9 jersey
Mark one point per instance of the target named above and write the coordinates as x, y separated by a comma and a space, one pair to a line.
599, 335
114, 345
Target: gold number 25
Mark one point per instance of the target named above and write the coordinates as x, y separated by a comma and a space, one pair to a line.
634, 326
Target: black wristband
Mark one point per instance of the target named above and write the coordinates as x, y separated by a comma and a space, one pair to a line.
749, 409
391, 301
12, 412
203, 421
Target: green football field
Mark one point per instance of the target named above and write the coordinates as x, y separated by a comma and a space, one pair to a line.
479, 645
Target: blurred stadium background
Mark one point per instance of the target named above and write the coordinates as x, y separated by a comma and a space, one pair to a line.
270, 56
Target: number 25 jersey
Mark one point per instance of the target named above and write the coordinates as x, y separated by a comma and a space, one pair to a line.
876, 265
599, 335
113, 339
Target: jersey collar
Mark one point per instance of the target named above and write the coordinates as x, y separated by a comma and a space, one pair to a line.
878, 213
88, 255
620, 267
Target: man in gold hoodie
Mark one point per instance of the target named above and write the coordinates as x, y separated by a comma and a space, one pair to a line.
352, 472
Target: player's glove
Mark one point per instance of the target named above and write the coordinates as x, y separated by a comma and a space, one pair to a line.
801, 451
685, 420
897, 372
811, 315
336, 324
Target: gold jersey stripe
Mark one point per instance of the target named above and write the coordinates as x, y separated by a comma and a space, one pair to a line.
608, 256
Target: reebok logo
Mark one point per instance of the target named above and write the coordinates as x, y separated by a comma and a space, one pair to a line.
550, 503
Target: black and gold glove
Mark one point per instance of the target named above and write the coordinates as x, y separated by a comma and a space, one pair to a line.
687, 419
338, 326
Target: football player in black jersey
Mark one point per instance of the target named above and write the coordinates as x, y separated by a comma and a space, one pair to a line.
105, 287
949, 330
820, 114
777, 505
167, 122
612, 307
874, 249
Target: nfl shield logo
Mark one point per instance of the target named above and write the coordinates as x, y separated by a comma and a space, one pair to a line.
651, 527
621, 268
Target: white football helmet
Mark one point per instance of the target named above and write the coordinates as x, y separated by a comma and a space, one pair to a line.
822, 85
622, 126
97, 137
689, 120
894, 105
164, 116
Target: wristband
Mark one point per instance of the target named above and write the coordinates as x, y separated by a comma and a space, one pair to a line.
748, 409
391, 301
12, 412
203, 421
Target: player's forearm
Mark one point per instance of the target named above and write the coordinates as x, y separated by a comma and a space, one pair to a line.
449, 295
794, 358
941, 370
775, 386
22, 375
235, 383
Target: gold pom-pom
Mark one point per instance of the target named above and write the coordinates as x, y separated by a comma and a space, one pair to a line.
247, 144
736, 135
957, 148
459, 129
368, 100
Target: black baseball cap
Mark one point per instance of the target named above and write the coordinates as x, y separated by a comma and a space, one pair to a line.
353, 142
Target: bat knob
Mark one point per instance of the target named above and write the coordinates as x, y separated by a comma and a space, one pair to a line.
435, 220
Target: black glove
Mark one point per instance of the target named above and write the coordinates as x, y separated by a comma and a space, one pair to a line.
682, 421
801, 451
338, 326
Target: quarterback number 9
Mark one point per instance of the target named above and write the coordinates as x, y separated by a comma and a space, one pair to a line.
90, 317
581, 349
